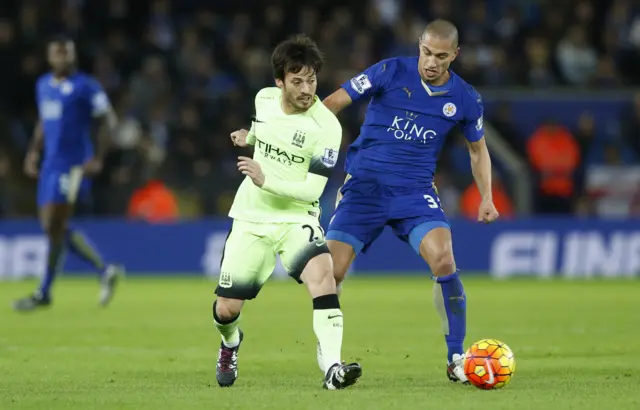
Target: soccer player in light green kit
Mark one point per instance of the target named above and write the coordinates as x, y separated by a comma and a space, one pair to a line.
296, 141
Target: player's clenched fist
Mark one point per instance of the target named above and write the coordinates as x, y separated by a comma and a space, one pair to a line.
252, 169
487, 212
239, 137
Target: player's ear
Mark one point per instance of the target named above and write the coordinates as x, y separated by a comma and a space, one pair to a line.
455, 55
279, 83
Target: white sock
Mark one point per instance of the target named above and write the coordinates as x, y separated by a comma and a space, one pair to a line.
327, 325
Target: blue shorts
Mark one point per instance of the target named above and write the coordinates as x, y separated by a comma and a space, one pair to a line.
62, 186
366, 208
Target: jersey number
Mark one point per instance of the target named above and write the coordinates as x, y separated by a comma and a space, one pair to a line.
312, 232
433, 202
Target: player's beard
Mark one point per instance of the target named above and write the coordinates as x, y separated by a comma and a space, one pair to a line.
298, 104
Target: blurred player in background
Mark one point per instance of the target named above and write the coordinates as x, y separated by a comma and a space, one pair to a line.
276, 210
414, 104
68, 101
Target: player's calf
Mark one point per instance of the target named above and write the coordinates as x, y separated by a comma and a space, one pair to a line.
53, 219
448, 296
328, 321
342, 255
226, 316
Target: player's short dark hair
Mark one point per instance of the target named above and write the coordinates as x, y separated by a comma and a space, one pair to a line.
294, 54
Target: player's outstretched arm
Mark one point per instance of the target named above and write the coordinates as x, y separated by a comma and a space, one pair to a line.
361, 87
481, 168
337, 101
308, 190
323, 160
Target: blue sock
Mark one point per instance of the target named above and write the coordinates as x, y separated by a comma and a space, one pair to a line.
84, 249
451, 303
55, 261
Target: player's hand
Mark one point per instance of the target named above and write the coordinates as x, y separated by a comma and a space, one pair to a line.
487, 212
252, 169
93, 167
31, 164
239, 137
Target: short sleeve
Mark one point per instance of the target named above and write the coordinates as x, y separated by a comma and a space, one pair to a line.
98, 99
370, 81
325, 154
472, 124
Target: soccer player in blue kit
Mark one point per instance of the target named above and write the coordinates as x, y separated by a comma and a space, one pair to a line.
414, 104
68, 101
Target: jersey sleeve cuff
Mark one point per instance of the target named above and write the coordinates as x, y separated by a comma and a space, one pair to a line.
352, 93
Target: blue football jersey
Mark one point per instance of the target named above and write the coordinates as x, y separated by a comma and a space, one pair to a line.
406, 122
66, 109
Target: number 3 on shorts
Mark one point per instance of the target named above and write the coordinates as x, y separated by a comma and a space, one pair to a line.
432, 202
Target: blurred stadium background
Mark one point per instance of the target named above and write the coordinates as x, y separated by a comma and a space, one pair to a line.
557, 78
562, 113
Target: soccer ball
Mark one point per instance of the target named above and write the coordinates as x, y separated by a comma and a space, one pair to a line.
489, 364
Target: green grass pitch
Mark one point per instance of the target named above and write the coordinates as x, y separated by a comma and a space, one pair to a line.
576, 346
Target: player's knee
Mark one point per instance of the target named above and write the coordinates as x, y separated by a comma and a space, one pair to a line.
342, 255
443, 264
318, 275
225, 309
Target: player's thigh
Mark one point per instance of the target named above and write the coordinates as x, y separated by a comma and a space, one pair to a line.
420, 221
53, 209
248, 259
357, 221
300, 243
61, 187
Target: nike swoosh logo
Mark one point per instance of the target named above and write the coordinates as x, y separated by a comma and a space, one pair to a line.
320, 243
490, 371
335, 316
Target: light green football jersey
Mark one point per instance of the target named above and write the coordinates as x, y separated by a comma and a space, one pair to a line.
297, 153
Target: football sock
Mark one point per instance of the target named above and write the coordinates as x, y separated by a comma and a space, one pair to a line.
451, 303
228, 329
327, 325
82, 247
54, 264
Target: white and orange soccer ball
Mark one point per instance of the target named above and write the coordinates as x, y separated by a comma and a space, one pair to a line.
489, 364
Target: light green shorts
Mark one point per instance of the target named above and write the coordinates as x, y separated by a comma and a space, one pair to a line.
249, 255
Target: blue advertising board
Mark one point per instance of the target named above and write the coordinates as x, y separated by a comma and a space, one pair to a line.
541, 247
